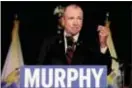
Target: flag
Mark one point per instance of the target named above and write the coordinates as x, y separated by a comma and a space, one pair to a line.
14, 60
114, 78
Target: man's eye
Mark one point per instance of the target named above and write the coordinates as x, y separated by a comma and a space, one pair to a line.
80, 18
71, 18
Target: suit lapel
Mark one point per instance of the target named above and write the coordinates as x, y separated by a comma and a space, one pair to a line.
77, 58
61, 48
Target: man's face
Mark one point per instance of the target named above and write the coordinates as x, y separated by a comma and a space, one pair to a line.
73, 20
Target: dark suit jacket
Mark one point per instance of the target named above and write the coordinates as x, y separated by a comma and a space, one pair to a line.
53, 53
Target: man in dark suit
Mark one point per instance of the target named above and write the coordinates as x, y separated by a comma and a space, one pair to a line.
70, 48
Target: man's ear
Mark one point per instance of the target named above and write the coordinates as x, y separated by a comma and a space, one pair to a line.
62, 21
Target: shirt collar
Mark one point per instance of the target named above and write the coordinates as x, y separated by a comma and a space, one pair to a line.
75, 36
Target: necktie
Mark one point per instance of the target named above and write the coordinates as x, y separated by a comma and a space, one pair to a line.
70, 49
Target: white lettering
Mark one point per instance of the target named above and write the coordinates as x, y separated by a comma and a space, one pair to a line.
97, 76
87, 77
49, 78
59, 79
31, 79
72, 75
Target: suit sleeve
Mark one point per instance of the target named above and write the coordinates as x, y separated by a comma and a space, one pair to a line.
43, 52
108, 60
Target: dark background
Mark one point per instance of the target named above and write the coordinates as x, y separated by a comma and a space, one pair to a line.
37, 21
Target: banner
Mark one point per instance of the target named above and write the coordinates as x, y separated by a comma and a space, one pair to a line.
63, 76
